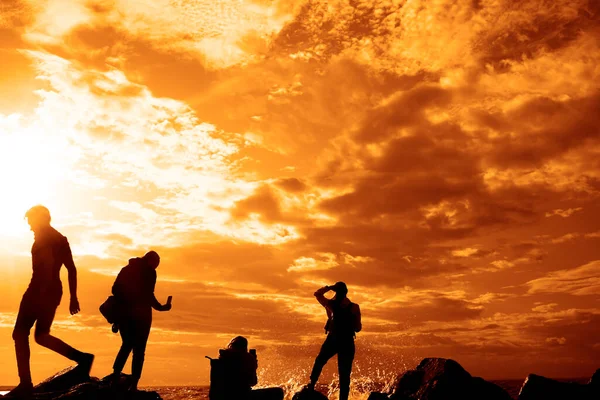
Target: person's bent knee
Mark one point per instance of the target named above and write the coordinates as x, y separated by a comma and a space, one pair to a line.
41, 338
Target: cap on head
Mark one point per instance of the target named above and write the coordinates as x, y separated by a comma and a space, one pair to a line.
340, 289
152, 259
238, 343
38, 215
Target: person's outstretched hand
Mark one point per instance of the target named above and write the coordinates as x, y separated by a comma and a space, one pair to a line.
166, 307
74, 306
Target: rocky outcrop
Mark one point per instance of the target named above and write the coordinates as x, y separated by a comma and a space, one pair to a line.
442, 379
378, 396
538, 387
73, 384
595, 380
63, 381
309, 394
274, 393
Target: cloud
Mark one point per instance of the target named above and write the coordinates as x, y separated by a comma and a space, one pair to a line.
556, 341
565, 238
303, 264
466, 252
418, 151
222, 34
581, 281
563, 213
544, 307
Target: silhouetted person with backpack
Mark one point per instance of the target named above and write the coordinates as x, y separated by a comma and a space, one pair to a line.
239, 368
134, 293
49, 253
343, 322
233, 374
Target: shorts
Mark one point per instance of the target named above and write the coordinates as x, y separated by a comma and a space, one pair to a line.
36, 311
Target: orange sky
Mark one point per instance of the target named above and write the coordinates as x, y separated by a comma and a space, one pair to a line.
441, 157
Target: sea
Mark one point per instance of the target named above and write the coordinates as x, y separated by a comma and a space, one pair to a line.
512, 386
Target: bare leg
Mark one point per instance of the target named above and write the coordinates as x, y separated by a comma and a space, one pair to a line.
55, 344
25, 320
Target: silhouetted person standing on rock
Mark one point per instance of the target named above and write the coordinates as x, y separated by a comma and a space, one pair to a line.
343, 322
134, 291
41, 299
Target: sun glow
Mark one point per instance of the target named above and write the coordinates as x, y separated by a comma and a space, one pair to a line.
32, 170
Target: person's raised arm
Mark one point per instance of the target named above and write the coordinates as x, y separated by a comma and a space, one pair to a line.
154, 301
319, 294
72, 272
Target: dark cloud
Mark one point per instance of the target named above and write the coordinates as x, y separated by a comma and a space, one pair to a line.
291, 185
544, 26
263, 202
547, 129
436, 309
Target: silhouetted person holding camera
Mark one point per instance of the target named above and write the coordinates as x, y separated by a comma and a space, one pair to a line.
343, 322
49, 253
233, 374
134, 292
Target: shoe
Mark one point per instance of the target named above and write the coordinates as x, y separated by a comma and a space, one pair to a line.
115, 380
133, 386
22, 391
115, 328
85, 363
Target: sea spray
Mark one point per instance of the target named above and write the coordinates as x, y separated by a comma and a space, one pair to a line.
374, 369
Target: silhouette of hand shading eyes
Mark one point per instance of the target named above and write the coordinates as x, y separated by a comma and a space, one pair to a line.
74, 306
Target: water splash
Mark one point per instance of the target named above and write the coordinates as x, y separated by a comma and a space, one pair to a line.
377, 380
375, 368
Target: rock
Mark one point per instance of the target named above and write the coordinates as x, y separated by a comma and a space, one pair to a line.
408, 383
63, 380
482, 389
595, 380
378, 396
441, 379
275, 393
67, 385
308, 394
538, 387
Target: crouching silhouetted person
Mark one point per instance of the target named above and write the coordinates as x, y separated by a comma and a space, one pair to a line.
134, 292
233, 374
343, 322
49, 253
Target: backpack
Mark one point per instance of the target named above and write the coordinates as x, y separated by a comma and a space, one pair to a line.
341, 319
110, 309
217, 379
